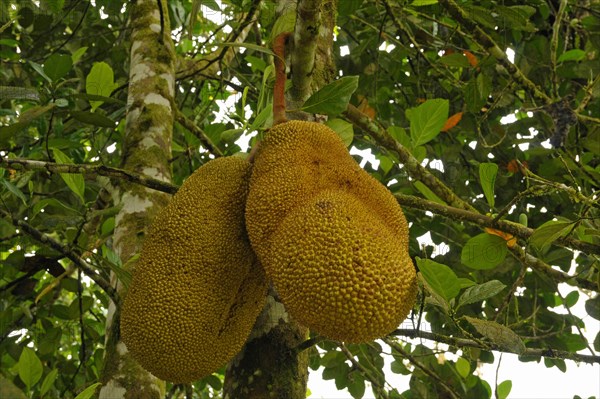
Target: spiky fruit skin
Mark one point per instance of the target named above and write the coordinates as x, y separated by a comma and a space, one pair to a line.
359, 245
198, 287
340, 270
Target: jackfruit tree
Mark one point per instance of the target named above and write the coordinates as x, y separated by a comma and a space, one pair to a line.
415, 216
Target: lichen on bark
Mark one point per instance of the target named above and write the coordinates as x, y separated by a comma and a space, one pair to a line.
147, 150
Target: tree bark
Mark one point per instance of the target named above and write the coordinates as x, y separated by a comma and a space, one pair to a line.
146, 151
272, 365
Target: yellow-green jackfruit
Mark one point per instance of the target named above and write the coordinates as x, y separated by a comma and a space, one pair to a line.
198, 287
298, 166
340, 269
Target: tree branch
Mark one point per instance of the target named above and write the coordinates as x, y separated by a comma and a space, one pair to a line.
463, 342
422, 367
414, 167
28, 164
515, 229
67, 253
198, 132
306, 33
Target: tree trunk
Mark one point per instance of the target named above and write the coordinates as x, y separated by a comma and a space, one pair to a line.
270, 365
147, 150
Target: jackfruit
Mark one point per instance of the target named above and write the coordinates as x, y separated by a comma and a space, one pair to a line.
301, 166
340, 269
198, 287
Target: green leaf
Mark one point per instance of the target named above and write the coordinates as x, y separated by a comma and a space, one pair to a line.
572, 55
100, 81
344, 129
503, 389
427, 120
74, 181
463, 367
284, 23
93, 118
501, 335
440, 278
421, 3
455, 60
77, 54
48, 382
57, 66
427, 193
571, 299
214, 382
88, 392
484, 251
549, 232
480, 292
592, 307
487, 179
465, 282
356, 385
332, 99
14, 189
39, 69
30, 368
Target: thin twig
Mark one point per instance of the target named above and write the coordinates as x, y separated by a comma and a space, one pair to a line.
28, 164
66, 252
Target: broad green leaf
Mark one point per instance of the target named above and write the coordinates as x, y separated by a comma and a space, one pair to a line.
284, 23
88, 392
262, 118
39, 69
14, 190
503, 389
77, 54
344, 129
74, 181
465, 282
549, 232
399, 134
487, 179
571, 299
455, 60
501, 335
48, 382
597, 342
480, 292
9, 390
356, 385
57, 66
93, 118
484, 251
214, 382
6, 132
100, 81
427, 120
463, 367
30, 368
427, 193
592, 307
231, 135
572, 55
440, 278
332, 99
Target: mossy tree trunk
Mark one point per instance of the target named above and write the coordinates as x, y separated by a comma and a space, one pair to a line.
147, 150
270, 365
